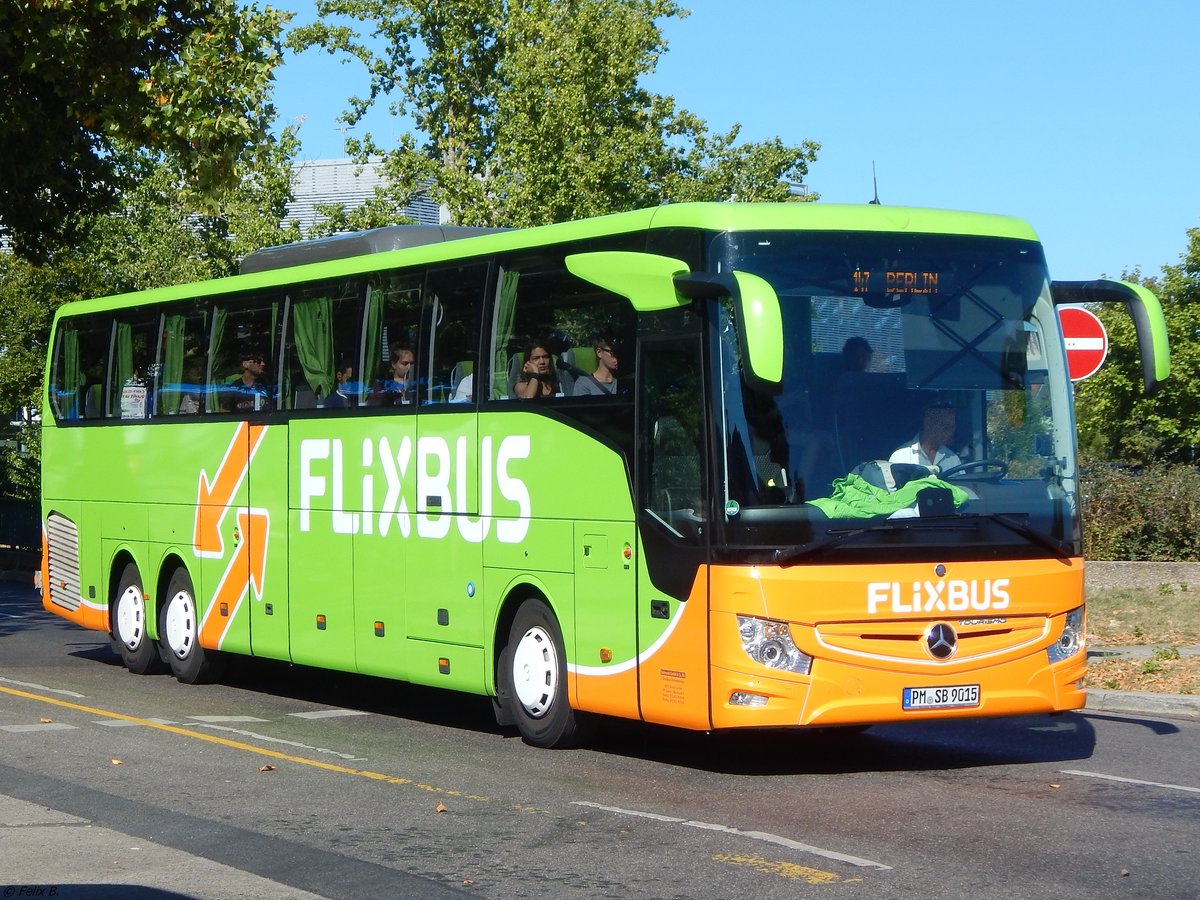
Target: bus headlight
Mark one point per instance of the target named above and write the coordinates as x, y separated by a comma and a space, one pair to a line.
1072, 638
770, 643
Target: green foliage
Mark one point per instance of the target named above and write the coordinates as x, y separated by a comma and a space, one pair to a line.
1151, 515
92, 91
1115, 421
152, 238
533, 112
1166, 653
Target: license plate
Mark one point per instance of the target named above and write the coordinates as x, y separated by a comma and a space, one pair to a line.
949, 697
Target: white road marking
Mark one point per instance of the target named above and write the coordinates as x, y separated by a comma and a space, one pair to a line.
42, 726
122, 723
1173, 787
275, 740
42, 687
210, 720
754, 835
329, 713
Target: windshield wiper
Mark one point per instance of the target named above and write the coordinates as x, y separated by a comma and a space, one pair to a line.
788, 555
1023, 528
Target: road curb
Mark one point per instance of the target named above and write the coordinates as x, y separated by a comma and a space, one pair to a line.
1144, 703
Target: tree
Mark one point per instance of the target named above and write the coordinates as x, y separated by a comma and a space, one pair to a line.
1115, 420
533, 112
93, 91
152, 238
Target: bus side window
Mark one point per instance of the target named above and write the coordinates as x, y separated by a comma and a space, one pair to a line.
81, 367
182, 362
672, 436
450, 339
321, 349
390, 339
540, 304
243, 373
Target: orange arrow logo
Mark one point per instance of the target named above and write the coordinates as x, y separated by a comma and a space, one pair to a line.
254, 525
213, 498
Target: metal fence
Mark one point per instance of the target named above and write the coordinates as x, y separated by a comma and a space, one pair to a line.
20, 524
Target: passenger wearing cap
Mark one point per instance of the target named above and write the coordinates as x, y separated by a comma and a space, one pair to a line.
929, 448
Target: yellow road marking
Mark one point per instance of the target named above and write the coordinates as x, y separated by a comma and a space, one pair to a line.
250, 748
782, 869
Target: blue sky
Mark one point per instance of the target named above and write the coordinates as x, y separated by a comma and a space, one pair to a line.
1081, 117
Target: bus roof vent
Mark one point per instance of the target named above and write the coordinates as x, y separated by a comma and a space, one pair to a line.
357, 243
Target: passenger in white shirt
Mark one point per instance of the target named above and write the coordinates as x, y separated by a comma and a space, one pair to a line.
929, 448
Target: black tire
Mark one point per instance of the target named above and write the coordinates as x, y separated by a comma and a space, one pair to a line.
179, 629
533, 679
130, 637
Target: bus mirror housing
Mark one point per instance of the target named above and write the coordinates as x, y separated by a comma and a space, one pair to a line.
1148, 321
644, 279
759, 321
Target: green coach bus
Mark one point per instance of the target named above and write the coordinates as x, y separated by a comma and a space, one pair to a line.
707, 465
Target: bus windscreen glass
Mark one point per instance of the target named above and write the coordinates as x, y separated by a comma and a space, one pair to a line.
924, 400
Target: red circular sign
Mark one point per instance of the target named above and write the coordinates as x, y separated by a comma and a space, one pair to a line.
1086, 340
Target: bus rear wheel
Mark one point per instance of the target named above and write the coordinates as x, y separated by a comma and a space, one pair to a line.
533, 673
138, 652
180, 633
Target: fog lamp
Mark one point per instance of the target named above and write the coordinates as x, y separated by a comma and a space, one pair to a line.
745, 698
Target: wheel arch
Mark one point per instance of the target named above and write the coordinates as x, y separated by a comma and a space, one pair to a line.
116, 568
520, 589
171, 563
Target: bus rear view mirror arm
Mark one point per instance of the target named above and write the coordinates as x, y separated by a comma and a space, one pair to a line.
759, 321
1145, 310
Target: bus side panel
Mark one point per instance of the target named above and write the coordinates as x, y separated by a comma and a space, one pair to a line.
263, 622
605, 647
673, 636
443, 597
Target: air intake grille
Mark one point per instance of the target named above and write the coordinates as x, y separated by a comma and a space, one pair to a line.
63, 540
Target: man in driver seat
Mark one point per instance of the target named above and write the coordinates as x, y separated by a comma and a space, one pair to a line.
929, 448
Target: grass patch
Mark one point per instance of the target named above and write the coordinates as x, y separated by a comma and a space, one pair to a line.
1146, 616
1165, 676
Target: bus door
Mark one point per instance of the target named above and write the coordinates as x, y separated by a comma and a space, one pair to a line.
444, 594
672, 596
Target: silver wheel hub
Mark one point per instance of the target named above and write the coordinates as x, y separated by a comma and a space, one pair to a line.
535, 671
180, 624
131, 617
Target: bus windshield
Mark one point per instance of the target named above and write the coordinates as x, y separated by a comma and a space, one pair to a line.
924, 406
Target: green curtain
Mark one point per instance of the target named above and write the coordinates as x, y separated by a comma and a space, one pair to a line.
506, 314
174, 329
372, 349
312, 322
220, 317
72, 377
124, 364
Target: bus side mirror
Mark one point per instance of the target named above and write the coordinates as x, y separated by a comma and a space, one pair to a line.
1145, 310
644, 279
759, 321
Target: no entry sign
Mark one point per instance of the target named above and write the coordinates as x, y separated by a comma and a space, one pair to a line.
1086, 340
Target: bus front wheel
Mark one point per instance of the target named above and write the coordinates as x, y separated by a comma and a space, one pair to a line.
533, 670
180, 632
138, 651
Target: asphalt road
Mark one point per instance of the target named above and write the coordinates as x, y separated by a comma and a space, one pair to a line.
290, 782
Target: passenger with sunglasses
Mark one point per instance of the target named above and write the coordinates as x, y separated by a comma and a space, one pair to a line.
602, 382
249, 392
